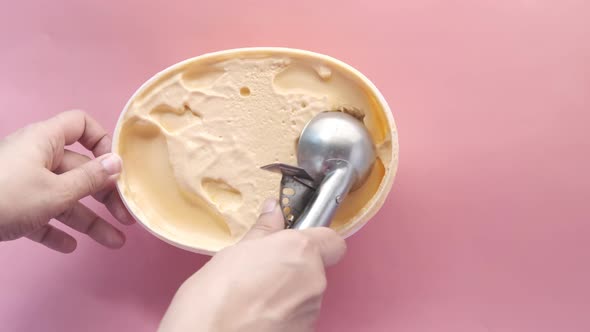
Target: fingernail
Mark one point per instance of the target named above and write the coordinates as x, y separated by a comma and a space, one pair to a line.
111, 163
268, 206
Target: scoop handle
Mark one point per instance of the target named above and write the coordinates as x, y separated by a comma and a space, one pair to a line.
328, 196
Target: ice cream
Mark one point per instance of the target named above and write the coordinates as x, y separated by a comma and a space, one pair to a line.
193, 138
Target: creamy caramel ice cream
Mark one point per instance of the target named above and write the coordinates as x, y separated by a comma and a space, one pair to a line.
193, 139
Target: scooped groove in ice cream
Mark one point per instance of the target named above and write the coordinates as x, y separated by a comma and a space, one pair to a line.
193, 138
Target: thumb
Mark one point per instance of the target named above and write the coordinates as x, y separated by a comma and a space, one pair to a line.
91, 176
270, 221
332, 246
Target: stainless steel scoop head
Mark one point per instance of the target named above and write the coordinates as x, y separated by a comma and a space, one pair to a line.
335, 155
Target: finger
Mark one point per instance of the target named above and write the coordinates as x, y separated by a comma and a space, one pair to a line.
109, 197
90, 177
269, 221
54, 238
84, 220
70, 160
77, 126
112, 200
331, 245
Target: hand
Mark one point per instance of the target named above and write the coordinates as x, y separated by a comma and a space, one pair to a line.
41, 180
272, 280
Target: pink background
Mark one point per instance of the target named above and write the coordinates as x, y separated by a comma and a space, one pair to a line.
487, 227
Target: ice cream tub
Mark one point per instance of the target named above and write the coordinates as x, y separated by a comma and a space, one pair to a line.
193, 139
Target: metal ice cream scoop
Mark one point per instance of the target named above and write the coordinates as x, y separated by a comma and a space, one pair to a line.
335, 155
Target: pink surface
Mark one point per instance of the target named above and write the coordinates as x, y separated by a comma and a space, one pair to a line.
487, 227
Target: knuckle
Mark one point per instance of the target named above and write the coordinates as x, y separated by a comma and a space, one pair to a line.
8, 233
300, 243
64, 199
263, 227
107, 198
98, 141
81, 181
327, 232
66, 215
61, 194
56, 144
44, 233
333, 236
96, 220
90, 181
320, 285
22, 227
74, 112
